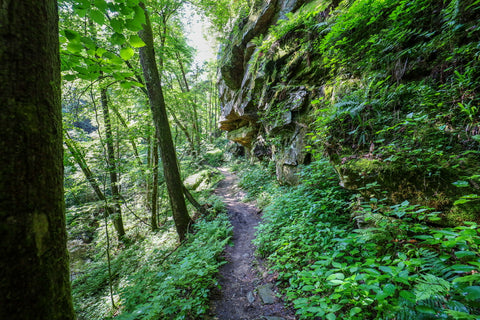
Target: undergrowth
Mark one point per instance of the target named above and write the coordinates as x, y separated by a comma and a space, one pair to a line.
396, 266
179, 287
153, 277
257, 180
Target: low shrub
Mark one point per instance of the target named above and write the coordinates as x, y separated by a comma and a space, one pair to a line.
178, 286
397, 266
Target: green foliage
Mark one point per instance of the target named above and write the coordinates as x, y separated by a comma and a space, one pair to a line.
395, 267
258, 181
178, 288
153, 278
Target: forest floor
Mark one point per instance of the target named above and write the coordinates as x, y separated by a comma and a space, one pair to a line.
247, 289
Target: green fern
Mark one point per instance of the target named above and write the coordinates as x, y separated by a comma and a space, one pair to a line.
430, 286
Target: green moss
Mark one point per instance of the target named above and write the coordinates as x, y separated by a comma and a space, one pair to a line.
40, 230
463, 212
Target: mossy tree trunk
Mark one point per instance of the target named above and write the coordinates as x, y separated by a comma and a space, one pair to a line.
34, 273
163, 133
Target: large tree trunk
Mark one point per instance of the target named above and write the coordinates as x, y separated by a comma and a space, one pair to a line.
164, 135
34, 273
112, 166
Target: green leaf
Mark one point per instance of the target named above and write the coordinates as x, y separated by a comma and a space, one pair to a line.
117, 25
385, 269
407, 295
74, 47
89, 43
81, 12
460, 315
354, 311
136, 41
338, 275
469, 278
462, 254
331, 316
132, 3
473, 292
126, 53
381, 295
460, 183
463, 268
133, 25
425, 309
466, 198
139, 16
389, 289
69, 77
100, 51
115, 62
117, 38
101, 5
71, 35
97, 16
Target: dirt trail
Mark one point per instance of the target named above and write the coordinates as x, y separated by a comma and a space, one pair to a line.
247, 289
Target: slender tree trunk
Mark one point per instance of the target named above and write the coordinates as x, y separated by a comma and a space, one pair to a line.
130, 136
34, 269
195, 122
84, 167
148, 177
184, 129
153, 217
77, 156
210, 112
164, 135
112, 166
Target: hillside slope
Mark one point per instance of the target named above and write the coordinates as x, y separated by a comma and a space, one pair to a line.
386, 89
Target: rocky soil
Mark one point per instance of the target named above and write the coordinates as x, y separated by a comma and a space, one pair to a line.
248, 290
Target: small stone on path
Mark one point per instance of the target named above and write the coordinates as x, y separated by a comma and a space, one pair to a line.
266, 293
250, 297
273, 318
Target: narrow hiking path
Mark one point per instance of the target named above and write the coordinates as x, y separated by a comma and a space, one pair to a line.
247, 290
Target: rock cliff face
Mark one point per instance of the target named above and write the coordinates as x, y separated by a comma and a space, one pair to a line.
388, 91
261, 109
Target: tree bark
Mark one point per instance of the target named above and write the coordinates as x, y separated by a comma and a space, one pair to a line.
34, 270
112, 166
153, 216
164, 135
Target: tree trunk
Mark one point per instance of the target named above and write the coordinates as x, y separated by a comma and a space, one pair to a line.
34, 270
77, 156
112, 166
153, 217
148, 177
131, 137
164, 135
184, 130
195, 122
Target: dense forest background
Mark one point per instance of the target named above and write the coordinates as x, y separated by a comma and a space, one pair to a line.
353, 125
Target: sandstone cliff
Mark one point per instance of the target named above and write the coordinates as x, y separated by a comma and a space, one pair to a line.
387, 90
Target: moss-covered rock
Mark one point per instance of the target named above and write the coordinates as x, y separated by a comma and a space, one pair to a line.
397, 182
203, 180
387, 90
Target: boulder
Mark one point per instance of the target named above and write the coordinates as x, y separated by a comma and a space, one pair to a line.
266, 293
202, 180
